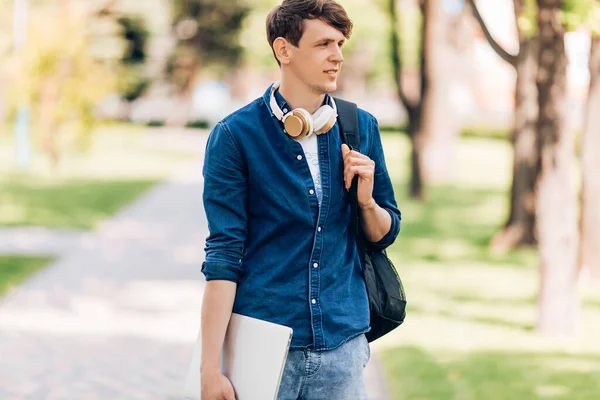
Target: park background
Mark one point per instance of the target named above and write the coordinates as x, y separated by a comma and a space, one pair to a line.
490, 119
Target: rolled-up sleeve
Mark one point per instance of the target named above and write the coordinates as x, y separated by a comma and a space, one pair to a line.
383, 190
224, 198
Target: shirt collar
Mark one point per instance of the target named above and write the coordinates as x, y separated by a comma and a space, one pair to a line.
282, 103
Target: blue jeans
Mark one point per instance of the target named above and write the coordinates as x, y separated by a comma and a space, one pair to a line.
326, 375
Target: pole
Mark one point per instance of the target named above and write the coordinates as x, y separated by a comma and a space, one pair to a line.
22, 116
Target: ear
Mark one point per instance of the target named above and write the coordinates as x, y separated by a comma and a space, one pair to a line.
281, 47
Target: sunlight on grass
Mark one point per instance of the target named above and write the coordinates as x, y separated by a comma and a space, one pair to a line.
469, 332
89, 186
65, 203
522, 375
118, 151
15, 269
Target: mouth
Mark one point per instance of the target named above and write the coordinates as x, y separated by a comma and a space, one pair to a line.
331, 72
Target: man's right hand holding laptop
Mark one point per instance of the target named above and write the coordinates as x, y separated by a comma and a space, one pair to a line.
216, 386
216, 312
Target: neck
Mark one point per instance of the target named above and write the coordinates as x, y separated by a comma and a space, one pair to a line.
298, 95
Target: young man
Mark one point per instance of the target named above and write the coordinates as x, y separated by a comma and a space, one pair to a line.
280, 247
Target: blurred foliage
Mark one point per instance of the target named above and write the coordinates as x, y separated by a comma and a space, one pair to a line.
135, 33
207, 33
575, 14
210, 26
581, 13
55, 74
410, 20
133, 81
253, 38
527, 20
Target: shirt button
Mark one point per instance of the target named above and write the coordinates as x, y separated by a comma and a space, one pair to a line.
285, 110
315, 265
319, 229
299, 157
314, 301
311, 191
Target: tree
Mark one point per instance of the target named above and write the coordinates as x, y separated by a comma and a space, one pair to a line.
207, 32
432, 124
52, 70
132, 29
519, 229
590, 165
414, 107
447, 39
133, 82
556, 200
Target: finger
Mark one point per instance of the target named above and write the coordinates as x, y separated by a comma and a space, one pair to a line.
352, 161
348, 175
230, 395
349, 172
355, 155
358, 154
347, 154
365, 172
345, 150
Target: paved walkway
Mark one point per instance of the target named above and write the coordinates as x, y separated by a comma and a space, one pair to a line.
116, 316
40, 241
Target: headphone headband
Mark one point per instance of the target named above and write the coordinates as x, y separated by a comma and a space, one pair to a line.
275, 107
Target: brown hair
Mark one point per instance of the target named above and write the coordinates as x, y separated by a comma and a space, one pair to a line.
287, 20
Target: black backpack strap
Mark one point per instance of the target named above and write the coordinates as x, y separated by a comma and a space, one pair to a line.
348, 122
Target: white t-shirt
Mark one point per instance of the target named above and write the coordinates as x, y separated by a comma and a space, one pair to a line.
311, 151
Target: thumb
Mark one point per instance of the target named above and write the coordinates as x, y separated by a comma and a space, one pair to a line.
345, 149
231, 396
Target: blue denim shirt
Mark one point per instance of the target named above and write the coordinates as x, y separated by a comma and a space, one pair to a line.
295, 262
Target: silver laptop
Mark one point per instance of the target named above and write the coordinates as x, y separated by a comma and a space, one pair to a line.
254, 355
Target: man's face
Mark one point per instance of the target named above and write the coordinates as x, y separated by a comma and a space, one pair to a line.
318, 58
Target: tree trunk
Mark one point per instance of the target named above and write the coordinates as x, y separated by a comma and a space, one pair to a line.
439, 121
416, 177
520, 227
589, 253
185, 73
413, 108
556, 199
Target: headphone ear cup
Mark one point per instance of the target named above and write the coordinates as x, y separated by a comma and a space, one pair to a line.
298, 124
310, 122
324, 119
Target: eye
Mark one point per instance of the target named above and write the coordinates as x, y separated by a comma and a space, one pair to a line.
323, 44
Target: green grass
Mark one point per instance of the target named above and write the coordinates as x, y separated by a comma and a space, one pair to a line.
14, 269
469, 332
88, 186
77, 203
493, 375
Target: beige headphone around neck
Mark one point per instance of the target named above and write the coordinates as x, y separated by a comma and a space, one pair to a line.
299, 123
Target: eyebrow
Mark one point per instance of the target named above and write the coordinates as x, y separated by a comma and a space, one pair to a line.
328, 40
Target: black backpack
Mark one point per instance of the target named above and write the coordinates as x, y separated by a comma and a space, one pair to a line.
387, 301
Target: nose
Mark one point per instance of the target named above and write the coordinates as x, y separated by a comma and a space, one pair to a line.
337, 55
